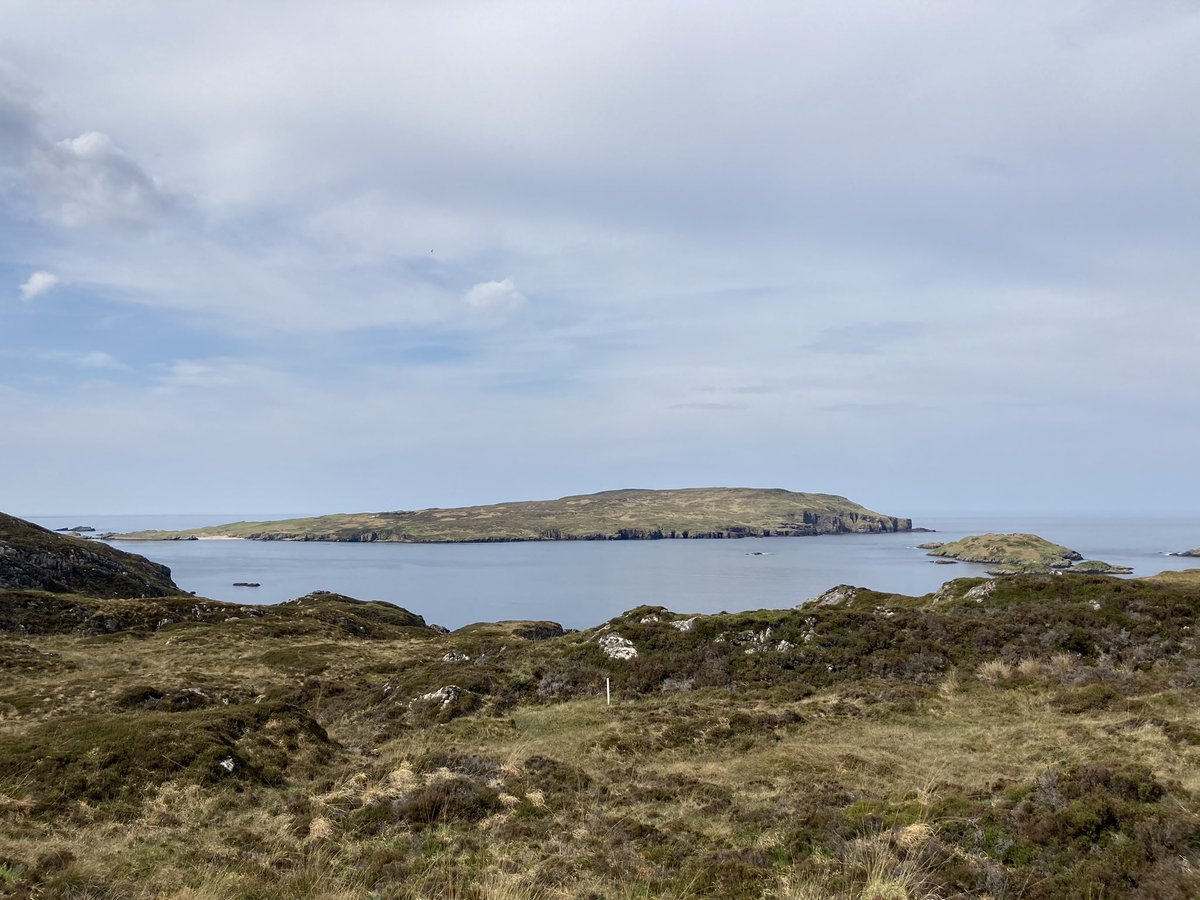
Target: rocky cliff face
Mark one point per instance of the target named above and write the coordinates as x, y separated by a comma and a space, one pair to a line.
34, 558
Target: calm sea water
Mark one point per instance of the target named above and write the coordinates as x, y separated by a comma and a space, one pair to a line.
583, 583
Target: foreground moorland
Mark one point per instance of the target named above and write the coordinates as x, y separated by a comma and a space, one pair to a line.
1031, 736
610, 515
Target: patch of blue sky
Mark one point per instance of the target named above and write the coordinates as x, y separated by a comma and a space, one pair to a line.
71, 329
408, 347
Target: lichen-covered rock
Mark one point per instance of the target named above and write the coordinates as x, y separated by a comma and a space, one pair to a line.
757, 640
980, 592
753, 642
616, 647
835, 596
446, 703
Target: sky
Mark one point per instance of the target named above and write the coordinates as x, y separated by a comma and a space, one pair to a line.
317, 257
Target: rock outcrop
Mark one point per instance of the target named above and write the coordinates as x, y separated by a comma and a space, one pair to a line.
839, 595
1099, 567
35, 558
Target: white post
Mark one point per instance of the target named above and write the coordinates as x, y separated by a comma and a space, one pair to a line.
608, 690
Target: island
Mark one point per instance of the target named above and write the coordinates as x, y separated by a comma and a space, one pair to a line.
1195, 552
607, 516
1021, 554
1036, 731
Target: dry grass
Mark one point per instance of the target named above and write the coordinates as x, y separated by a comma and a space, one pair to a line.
179, 843
871, 786
994, 671
886, 866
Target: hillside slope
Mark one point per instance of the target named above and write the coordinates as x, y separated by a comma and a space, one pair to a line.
611, 515
33, 557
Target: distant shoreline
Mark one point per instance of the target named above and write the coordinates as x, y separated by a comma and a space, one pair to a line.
632, 514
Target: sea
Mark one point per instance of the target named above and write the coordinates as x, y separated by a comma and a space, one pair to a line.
583, 583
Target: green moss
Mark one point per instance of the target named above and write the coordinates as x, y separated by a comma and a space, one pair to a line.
873, 815
111, 758
1085, 699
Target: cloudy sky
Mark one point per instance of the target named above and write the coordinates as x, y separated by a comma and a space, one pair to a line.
260, 257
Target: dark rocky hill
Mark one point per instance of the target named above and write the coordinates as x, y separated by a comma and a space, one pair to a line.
31, 557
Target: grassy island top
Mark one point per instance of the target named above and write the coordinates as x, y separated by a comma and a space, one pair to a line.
610, 515
1032, 736
1016, 549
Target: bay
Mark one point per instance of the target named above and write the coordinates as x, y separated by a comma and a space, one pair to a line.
583, 583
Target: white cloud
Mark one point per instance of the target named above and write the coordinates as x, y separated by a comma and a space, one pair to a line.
210, 376
98, 359
37, 284
495, 296
708, 200
89, 180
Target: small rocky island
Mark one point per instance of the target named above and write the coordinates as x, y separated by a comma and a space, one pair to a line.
1021, 554
1195, 552
607, 516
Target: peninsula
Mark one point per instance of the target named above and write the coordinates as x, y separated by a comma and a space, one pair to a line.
606, 516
